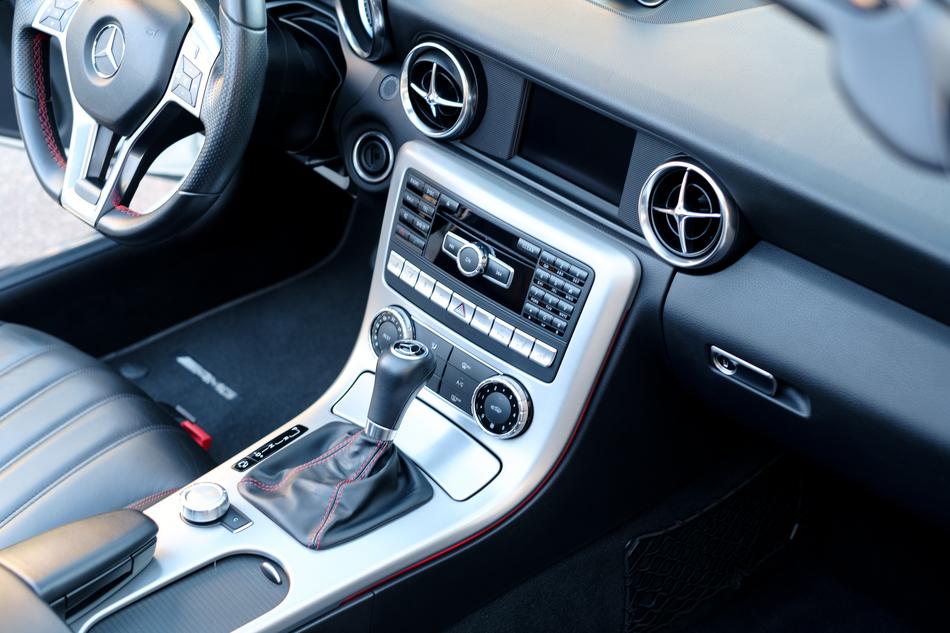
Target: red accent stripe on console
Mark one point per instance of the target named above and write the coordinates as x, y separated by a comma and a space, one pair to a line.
490, 528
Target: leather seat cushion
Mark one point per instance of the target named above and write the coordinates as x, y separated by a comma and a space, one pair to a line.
77, 439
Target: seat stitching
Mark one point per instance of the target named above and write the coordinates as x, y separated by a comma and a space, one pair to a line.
46, 388
154, 498
25, 359
46, 438
81, 465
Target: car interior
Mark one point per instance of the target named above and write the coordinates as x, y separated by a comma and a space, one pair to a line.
560, 315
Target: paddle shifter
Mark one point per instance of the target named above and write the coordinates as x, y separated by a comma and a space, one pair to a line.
401, 371
339, 481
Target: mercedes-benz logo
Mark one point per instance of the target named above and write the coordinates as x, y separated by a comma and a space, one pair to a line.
409, 349
108, 51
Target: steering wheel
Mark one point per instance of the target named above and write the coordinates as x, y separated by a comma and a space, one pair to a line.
141, 75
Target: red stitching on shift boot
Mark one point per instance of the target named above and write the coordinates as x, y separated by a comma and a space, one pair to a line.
331, 502
363, 475
314, 462
46, 122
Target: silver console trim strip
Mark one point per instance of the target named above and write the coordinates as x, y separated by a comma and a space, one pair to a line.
321, 580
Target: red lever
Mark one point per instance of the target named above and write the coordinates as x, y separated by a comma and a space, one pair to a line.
198, 434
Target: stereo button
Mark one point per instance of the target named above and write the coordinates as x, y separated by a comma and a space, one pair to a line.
528, 248
482, 321
425, 285
452, 243
521, 343
461, 309
395, 263
543, 354
501, 332
415, 184
441, 295
498, 272
409, 274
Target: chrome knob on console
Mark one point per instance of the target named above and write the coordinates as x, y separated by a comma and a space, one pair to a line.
203, 502
472, 260
501, 406
390, 325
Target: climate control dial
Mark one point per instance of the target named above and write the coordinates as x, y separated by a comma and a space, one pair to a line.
501, 406
390, 325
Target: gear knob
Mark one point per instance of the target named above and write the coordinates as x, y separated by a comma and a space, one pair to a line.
401, 371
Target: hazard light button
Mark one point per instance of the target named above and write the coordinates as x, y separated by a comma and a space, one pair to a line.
461, 309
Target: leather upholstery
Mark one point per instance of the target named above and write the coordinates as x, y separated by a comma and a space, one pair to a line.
76, 439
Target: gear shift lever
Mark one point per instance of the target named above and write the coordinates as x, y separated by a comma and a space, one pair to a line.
401, 371
339, 481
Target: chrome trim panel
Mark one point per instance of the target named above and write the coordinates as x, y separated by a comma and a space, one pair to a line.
320, 580
428, 438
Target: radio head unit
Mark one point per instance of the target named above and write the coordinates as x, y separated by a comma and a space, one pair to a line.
491, 277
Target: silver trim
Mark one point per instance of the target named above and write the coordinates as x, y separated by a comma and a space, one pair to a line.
651, 4
390, 156
403, 320
378, 433
467, 105
379, 41
209, 509
767, 376
409, 349
728, 217
320, 580
107, 52
268, 569
488, 258
521, 397
202, 46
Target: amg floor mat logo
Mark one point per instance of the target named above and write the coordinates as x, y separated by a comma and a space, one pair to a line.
206, 377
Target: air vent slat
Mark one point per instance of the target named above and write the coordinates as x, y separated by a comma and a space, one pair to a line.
686, 217
438, 90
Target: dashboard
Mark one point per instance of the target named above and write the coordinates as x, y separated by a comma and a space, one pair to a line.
806, 257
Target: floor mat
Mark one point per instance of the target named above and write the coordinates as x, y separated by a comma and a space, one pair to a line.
246, 368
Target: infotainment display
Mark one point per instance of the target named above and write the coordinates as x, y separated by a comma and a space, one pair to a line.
576, 143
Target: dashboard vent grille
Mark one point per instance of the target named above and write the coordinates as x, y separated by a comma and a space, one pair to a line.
686, 216
438, 90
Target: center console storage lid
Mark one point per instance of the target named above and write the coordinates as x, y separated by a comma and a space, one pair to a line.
64, 561
23, 611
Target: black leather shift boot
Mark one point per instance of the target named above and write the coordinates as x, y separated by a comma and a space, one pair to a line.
335, 485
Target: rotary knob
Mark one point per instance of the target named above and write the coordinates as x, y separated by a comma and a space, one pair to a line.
501, 406
471, 260
203, 502
390, 325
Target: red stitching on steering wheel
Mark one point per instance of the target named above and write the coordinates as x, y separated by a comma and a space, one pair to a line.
46, 121
121, 208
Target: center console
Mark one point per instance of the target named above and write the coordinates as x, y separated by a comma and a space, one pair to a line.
517, 300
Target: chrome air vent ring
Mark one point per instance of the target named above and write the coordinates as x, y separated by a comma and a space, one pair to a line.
364, 26
686, 217
438, 90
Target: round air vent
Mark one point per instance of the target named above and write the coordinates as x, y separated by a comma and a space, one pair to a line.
685, 215
364, 27
438, 91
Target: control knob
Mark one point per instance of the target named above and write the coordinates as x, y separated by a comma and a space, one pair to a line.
203, 502
501, 406
390, 325
471, 260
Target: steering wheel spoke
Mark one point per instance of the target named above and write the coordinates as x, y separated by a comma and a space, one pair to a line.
54, 17
139, 78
